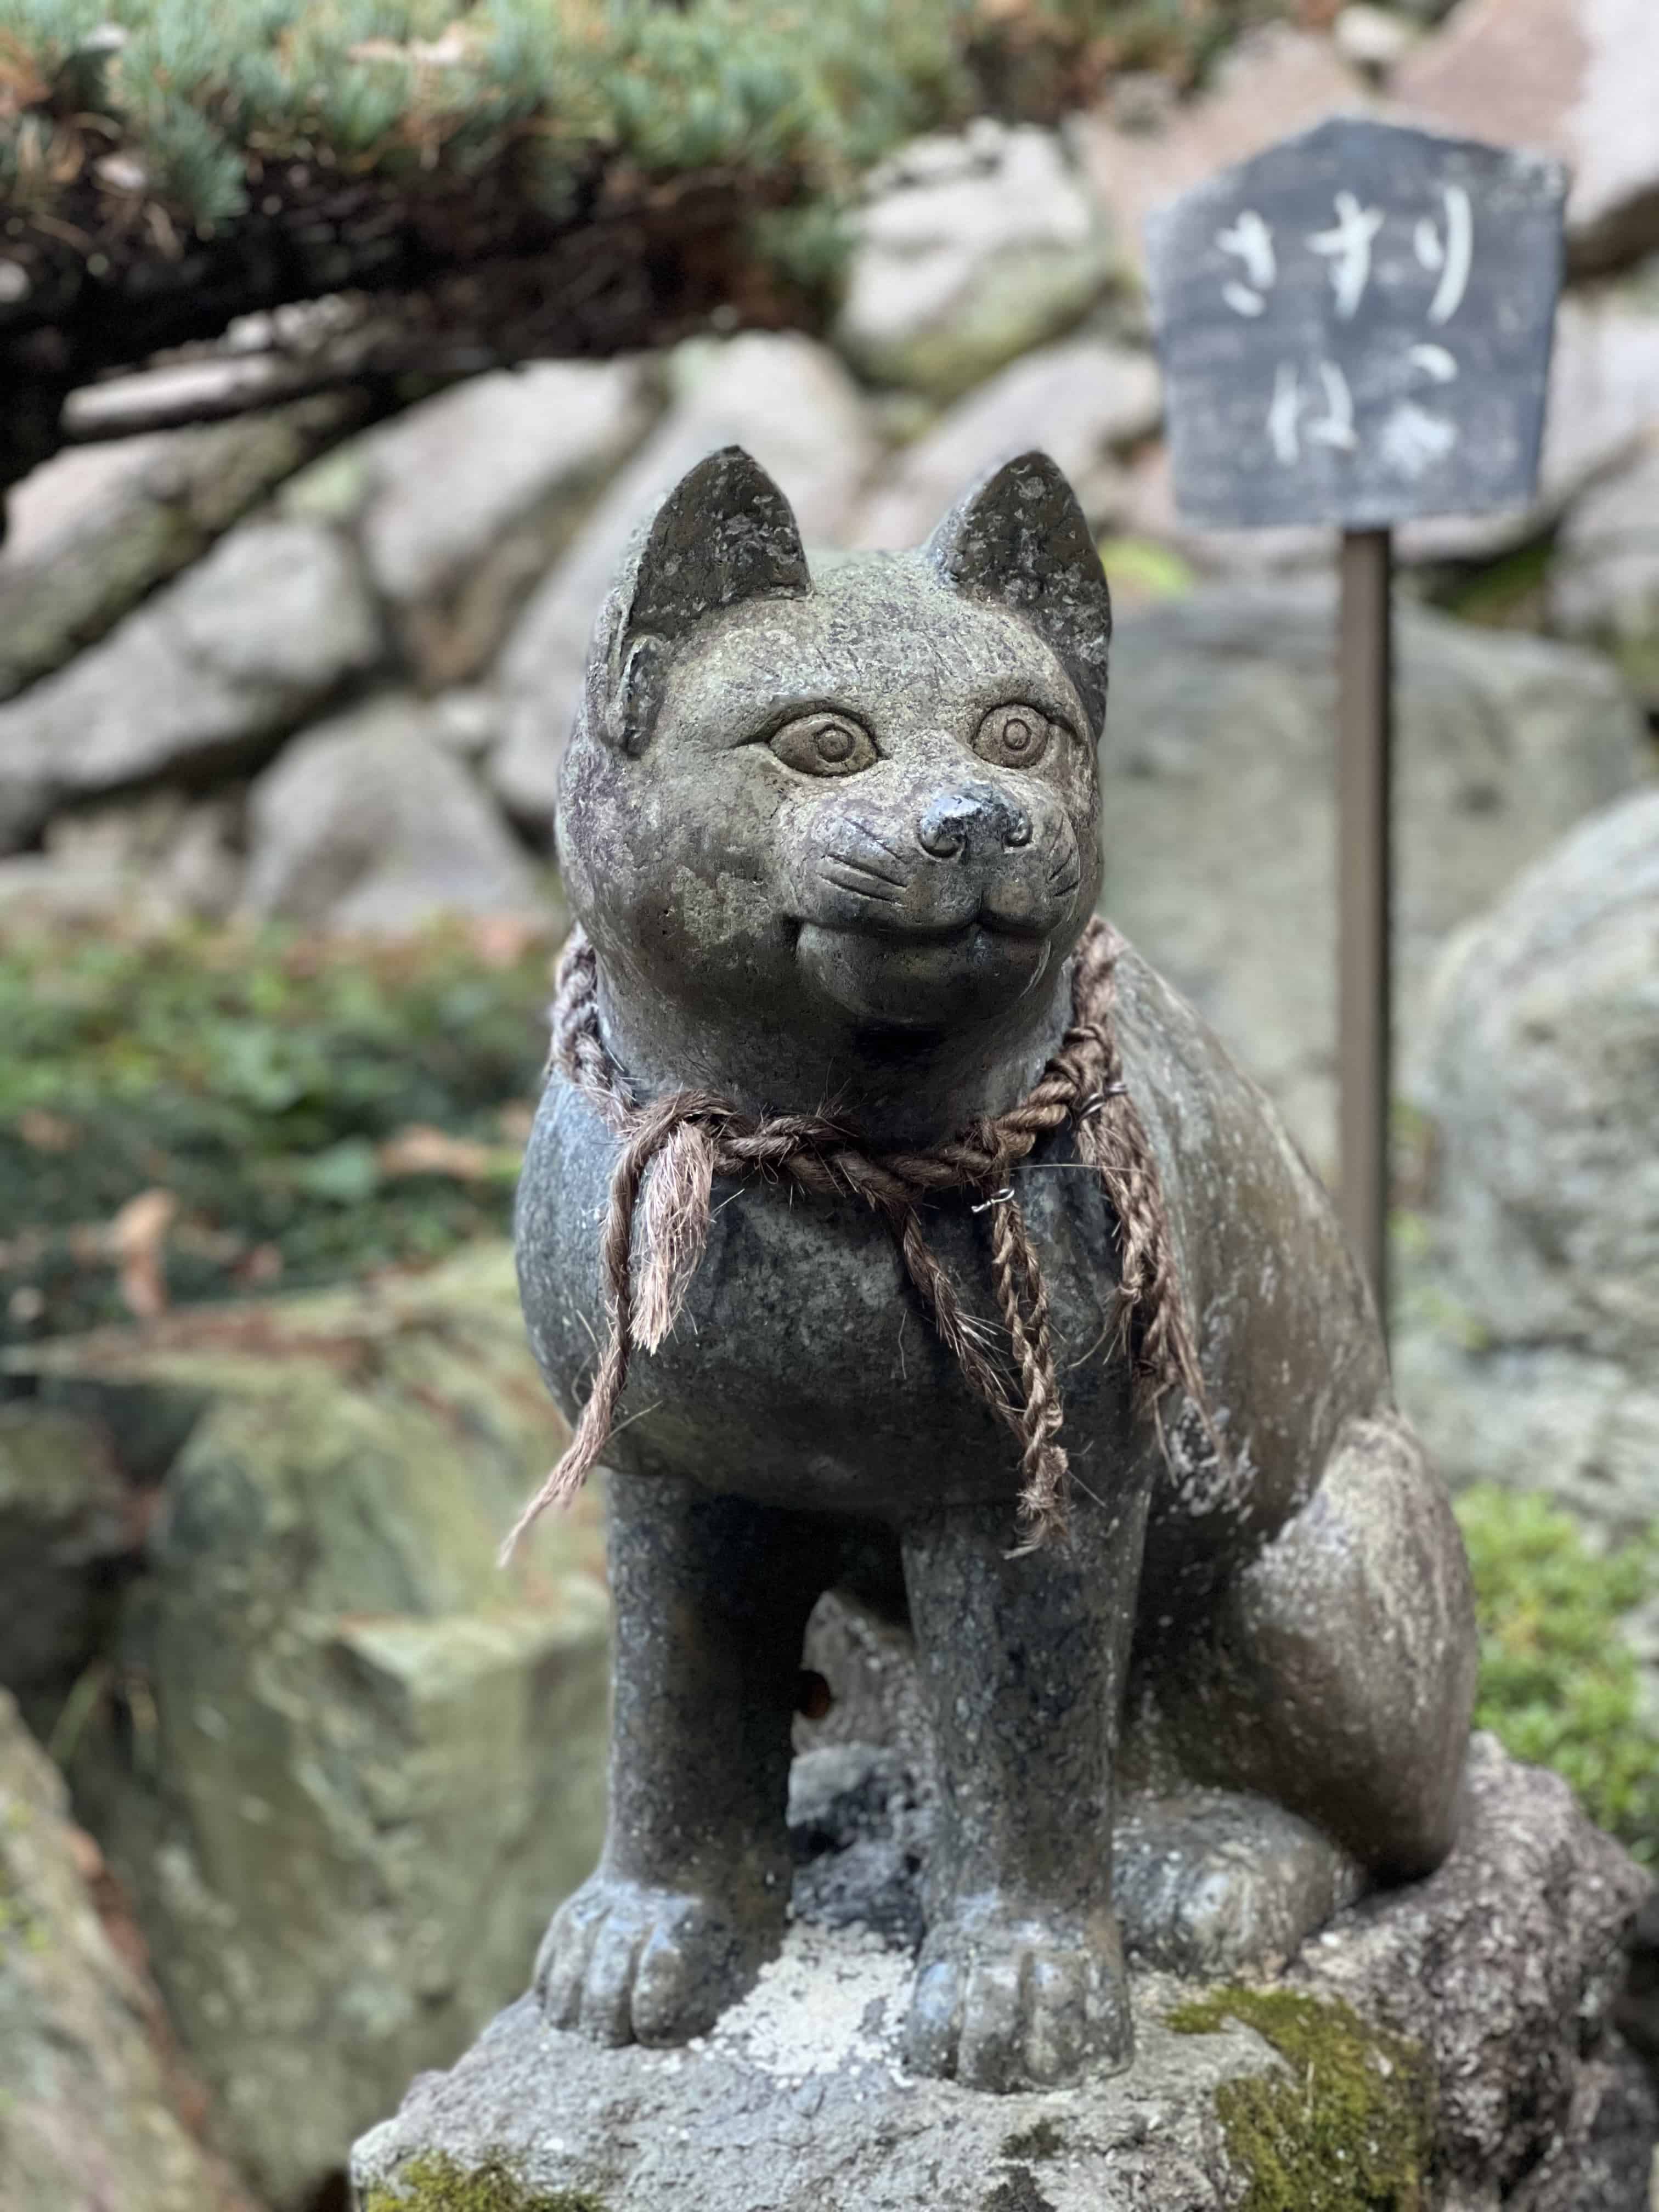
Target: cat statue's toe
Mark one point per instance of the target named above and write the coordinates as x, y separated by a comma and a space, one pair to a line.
1006, 1999
627, 1962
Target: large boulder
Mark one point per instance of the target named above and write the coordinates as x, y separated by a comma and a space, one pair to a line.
794, 407
1530, 1354
1577, 78
1218, 781
207, 673
1604, 570
87, 2118
1273, 84
345, 1767
1085, 401
1445, 2045
464, 501
371, 823
970, 250
95, 528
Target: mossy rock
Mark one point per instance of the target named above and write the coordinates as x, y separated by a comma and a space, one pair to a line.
344, 1766
1346, 2125
436, 2183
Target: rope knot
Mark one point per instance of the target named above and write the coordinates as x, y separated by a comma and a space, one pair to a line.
673, 1147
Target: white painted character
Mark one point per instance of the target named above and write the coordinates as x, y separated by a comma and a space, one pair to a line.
1453, 256
1348, 245
1285, 426
1251, 241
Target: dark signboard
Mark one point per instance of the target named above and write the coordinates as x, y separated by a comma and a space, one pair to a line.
1355, 328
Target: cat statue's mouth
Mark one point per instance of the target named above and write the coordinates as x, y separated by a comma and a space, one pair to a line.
922, 977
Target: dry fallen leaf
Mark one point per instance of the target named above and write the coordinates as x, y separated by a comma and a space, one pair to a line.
422, 1150
46, 1132
138, 1237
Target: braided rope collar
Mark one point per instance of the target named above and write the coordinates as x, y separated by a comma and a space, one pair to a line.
673, 1147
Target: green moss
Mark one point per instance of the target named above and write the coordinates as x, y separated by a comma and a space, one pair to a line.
1560, 1684
1043, 2140
260, 1080
434, 2182
1346, 2126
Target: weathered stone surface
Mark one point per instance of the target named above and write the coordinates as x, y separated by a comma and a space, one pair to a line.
66, 1518
209, 671
1082, 401
347, 1767
370, 822
1273, 84
465, 500
1578, 78
1216, 771
1604, 571
795, 407
1536, 1357
87, 2119
970, 250
95, 528
1496, 1978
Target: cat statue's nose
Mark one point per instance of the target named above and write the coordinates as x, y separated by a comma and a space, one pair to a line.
972, 821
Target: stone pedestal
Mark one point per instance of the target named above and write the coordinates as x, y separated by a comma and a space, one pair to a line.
1447, 2046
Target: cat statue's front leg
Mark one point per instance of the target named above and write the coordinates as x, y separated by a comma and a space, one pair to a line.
1021, 1981
689, 1898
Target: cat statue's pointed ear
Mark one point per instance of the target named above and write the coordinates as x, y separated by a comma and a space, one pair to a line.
724, 533
1019, 536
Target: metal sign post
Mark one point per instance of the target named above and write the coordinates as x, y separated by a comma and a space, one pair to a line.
1355, 329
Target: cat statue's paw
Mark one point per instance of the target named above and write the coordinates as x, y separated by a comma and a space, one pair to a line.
627, 1962
1011, 1998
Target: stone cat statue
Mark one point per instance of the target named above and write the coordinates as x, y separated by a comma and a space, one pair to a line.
833, 834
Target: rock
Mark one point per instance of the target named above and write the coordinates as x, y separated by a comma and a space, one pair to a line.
1273, 84
970, 250
1577, 78
1436, 2042
1534, 1356
1373, 39
203, 676
96, 527
795, 409
88, 2122
347, 1767
369, 823
1604, 572
67, 1521
156, 861
1217, 770
1082, 401
467, 499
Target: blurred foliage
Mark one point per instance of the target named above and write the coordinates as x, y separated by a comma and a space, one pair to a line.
222, 1112
193, 108
1559, 1686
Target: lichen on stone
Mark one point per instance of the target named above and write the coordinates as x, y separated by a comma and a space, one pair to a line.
1346, 2124
1042, 2139
435, 2182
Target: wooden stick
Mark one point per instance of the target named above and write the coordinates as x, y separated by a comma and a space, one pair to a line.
1365, 715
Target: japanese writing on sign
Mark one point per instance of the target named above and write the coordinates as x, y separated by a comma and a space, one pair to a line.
1355, 328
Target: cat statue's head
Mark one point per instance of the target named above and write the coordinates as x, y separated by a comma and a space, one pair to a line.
812, 815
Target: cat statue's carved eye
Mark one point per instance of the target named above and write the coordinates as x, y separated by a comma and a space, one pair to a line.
1013, 737
825, 744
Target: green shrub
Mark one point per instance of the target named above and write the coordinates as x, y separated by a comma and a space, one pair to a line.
264, 1083
1558, 1684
